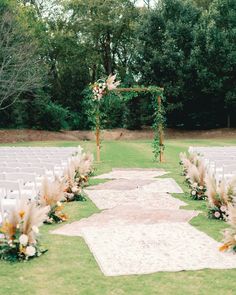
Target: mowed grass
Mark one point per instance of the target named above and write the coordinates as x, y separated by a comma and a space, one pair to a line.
70, 268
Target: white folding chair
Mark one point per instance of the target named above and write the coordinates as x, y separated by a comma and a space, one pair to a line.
10, 194
9, 169
27, 179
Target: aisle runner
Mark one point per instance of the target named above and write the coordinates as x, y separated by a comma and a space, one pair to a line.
164, 185
125, 215
142, 249
106, 199
142, 229
135, 173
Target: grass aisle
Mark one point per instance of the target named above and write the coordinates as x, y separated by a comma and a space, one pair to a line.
69, 267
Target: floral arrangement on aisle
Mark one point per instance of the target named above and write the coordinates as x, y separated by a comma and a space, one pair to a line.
186, 160
220, 196
52, 194
195, 172
76, 176
102, 86
229, 243
73, 191
83, 167
195, 177
20, 231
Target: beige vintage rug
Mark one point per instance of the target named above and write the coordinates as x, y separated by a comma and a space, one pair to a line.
125, 215
135, 173
143, 249
106, 199
141, 229
160, 185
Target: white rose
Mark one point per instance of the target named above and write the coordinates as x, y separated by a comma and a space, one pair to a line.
195, 184
23, 239
30, 251
74, 189
59, 204
193, 193
200, 187
35, 229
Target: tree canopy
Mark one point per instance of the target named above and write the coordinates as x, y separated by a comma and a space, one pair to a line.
51, 51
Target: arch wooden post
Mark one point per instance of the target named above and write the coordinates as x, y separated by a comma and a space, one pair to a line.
160, 130
98, 137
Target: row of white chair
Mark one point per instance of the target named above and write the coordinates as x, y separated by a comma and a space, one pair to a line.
220, 161
22, 171
15, 186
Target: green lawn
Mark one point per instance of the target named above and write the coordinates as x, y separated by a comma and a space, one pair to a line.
69, 267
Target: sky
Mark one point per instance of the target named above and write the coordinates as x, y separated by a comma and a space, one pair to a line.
141, 2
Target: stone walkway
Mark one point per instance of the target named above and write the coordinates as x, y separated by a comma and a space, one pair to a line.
141, 228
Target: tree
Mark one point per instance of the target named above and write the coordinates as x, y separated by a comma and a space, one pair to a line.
214, 55
19, 62
148, 3
166, 40
106, 28
203, 3
68, 67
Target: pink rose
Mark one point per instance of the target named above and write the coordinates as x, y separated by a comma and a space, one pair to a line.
217, 214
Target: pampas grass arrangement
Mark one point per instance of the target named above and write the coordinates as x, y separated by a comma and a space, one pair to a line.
185, 162
83, 167
76, 176
196, 180
220, 196
20, 230
190, 157
195, 172
230, 233
73, 191
52, 194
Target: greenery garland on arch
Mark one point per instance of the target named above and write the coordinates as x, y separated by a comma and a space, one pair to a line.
103, 86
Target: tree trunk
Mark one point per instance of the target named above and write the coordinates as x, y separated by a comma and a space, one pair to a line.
107, 54
228, 121
94, 72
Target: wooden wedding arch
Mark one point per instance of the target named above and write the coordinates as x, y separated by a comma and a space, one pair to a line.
158, 126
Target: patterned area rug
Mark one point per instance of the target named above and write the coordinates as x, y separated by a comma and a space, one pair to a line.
125, 215
161, 185
132, 174
143, 249
142, 230
105, 199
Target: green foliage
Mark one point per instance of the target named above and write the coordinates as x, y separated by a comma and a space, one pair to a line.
132, 112
159, 121
191, 53
112, 110
49, 116
185, 46
37, 112
107, 29
203, 3
12, 254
